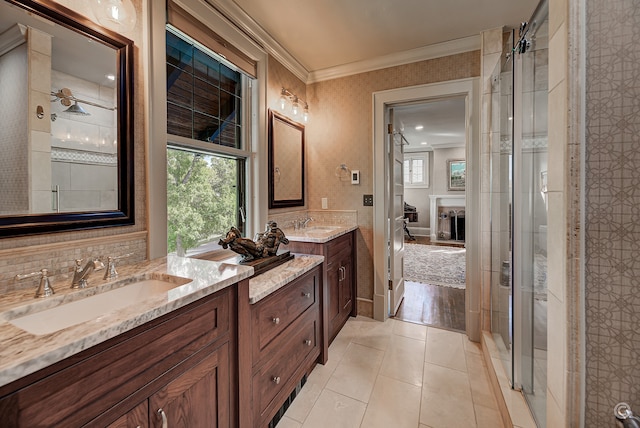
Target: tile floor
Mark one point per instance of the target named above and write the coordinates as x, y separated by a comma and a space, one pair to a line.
397, 374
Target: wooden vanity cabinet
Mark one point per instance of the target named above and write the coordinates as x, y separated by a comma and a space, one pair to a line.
340, 277
183, 363
283, 337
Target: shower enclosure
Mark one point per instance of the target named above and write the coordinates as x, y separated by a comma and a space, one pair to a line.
519, 209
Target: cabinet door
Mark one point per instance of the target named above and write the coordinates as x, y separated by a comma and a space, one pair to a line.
334, 274
198, 398
138, 417
346, 289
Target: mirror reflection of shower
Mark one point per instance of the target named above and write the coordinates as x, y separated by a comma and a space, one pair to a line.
68, 100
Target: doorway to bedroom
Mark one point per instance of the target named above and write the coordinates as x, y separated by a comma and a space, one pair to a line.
433, 135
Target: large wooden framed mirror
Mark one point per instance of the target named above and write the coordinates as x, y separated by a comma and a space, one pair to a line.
66, 121
286, 162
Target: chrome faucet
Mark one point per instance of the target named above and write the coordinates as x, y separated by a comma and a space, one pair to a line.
80, 274
304, 222
110, 272
44, 288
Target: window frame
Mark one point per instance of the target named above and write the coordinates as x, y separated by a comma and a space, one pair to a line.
241, 154
411, 156
154, 59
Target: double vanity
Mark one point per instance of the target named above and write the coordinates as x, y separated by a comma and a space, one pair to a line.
176, 341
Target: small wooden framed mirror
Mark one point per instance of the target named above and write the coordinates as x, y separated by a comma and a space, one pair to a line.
286, 162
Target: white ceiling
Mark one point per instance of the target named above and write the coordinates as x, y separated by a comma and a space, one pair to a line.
322, 34
442, 121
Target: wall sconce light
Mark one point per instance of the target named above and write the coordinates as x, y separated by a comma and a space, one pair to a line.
288, 98
118, 15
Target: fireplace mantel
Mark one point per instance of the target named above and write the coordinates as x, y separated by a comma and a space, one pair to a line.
442, 201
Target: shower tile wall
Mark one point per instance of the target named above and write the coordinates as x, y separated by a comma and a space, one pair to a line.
612, 208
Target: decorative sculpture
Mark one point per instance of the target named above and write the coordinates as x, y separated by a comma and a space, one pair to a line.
265, 245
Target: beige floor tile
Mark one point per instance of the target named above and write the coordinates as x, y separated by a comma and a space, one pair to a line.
404, 360
407, 329
336, 411
305, 400
373, 362
374, 334
443, 411
356, 373
446, 382
481, 390
393, 404
445, 348
486, 417
285, 422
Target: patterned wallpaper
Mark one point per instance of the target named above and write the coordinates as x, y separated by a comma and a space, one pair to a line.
340, 132
612, 273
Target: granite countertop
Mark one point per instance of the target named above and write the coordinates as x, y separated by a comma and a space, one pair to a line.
264, 284
318, 233
23, 353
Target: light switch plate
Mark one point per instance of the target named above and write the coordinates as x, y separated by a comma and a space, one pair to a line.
325, 204
355, 176
367, 200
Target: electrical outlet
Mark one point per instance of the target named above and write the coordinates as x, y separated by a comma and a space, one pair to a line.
367, 200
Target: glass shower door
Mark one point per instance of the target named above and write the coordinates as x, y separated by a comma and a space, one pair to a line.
519, 211
530, 217
501, 211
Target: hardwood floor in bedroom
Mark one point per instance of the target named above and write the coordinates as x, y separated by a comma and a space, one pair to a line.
433, 305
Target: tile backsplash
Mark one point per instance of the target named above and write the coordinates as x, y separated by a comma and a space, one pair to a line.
59, 259
325, 217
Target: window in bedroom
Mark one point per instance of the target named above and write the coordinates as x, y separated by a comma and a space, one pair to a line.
416, 170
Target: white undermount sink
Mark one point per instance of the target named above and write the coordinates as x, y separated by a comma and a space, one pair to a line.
93, 307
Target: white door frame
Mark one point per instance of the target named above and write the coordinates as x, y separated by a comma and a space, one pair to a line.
470, 88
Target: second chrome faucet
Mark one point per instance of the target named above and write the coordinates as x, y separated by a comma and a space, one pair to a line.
80, 274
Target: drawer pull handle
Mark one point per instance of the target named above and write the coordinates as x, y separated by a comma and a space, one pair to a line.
163, 415
307, 342
275, 320
276, 379
307, 295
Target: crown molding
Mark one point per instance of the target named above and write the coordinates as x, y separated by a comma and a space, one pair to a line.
252, 29
13, 37
437, 50
260, 36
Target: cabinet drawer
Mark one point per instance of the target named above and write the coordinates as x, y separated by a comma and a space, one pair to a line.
293, 347
338, 245
101, 378
273, 314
